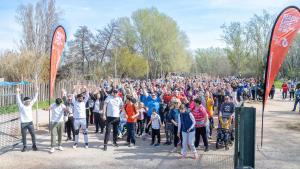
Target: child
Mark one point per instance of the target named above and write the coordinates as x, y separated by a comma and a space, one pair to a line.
156, 125
186, 125
123, 121
141, 119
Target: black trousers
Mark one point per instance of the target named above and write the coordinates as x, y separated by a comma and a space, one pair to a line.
292, 94
148, 127
201, 131
70, 127
99, 121
176, 138
87, 112
155, 133
114, 123
91, 116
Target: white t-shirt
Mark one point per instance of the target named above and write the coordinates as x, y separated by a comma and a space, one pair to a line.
79, 110
57, 112
114, 105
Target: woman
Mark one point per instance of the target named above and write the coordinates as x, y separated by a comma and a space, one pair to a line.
200, 114
210, 109
186, 126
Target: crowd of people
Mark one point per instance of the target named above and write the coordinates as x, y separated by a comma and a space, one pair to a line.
184, 108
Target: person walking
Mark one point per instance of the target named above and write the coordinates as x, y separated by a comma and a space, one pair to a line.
186, 126
113, 105
25, 110
285, 89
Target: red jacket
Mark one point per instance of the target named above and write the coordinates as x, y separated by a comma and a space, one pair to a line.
200, 115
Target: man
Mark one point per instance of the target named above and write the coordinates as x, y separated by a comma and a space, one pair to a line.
151, 103
285, 89
70, 122
98, 112
25, 110
113, 105
80, 116
58, 111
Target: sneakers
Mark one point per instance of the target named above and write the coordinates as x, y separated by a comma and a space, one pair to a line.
52, 150
206, 149
86, 145
24, 149
34, 148
75, 146
60, 148
157, 145
105, 148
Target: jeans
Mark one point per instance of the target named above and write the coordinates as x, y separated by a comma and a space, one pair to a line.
111, 122
24, 127
169, 132
99, 121
253, 93
70, 127
140, 128
188, 140
284, 95
295, 105
201, 131
130, 132
155, 133
56, 130
81, 123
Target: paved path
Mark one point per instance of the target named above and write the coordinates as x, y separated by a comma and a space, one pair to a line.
281, 149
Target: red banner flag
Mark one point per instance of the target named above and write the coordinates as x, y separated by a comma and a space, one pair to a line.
284, 31
58, 42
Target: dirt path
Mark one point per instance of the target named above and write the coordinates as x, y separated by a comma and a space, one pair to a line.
280, 150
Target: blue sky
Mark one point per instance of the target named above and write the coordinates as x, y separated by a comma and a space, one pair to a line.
200, 19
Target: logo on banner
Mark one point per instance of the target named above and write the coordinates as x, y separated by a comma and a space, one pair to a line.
284, 43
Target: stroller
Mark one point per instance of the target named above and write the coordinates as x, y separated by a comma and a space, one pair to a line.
224, 134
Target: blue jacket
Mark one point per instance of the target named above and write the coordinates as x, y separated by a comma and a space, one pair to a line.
152, 104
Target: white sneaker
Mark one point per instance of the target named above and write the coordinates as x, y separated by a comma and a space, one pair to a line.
75, 146
52, 150
60, 148
86, 146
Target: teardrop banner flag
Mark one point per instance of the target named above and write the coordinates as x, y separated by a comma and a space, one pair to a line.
283, 33
58, 42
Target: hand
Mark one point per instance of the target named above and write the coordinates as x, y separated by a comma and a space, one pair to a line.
104, 118
188, 130
176, 124
178, 135
18, 90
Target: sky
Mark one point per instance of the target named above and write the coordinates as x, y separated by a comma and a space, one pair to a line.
199, 19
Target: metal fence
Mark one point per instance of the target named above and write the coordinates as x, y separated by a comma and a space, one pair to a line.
9, 131
8, 93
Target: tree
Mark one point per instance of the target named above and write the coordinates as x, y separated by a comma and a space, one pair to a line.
37, 25
80, 48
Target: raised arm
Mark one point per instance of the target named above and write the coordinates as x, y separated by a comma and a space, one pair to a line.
35, 98
18, 97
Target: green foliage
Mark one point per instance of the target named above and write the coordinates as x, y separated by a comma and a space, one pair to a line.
278, 84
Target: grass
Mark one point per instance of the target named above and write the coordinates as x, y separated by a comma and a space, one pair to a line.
14, 108
278, 84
